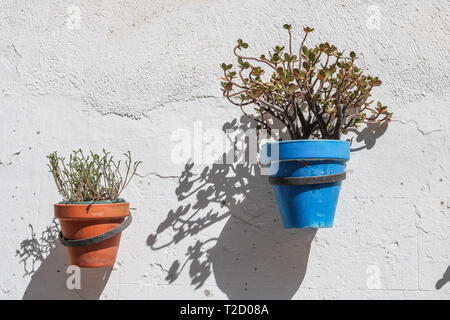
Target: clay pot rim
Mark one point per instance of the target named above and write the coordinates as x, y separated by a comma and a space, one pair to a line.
87, 204
96, 211
92, 202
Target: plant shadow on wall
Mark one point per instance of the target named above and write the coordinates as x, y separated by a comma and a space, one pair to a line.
254, 256
45, 261
368, 135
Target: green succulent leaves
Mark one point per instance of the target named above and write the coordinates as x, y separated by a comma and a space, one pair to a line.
326, 80
226, 67
242, 44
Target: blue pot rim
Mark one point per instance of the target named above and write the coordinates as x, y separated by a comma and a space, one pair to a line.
308, 149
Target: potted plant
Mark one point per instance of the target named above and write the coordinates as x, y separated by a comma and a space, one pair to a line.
91, 215
316, 94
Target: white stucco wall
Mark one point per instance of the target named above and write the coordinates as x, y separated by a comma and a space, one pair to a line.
126, 74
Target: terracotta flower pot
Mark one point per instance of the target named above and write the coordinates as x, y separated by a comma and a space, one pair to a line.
82, 221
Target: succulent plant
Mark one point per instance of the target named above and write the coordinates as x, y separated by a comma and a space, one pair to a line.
316, 92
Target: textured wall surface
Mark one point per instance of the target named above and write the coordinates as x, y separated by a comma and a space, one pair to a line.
125, 75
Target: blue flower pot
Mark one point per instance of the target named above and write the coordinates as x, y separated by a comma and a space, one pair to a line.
306, 177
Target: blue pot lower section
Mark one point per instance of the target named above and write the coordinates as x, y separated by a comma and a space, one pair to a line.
314, 205
308, 206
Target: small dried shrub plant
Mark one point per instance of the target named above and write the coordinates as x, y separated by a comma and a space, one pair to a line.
316, 92
91, 177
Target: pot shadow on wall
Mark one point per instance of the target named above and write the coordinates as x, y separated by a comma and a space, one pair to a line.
444, 280
253, 257
45, 261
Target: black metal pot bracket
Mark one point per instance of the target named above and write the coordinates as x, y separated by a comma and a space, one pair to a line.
298, 181
99, 238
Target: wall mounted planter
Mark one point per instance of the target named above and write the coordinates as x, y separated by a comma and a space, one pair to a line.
91, 232
308, 180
